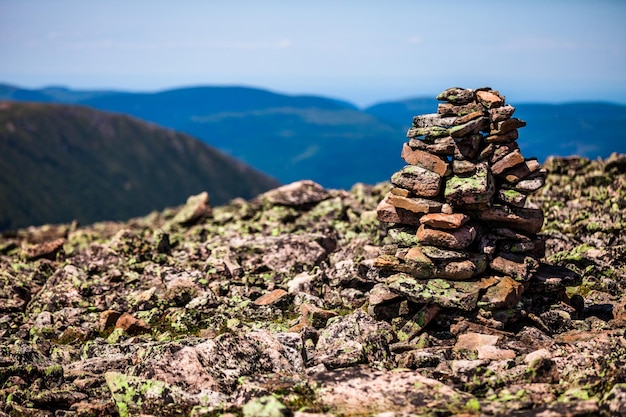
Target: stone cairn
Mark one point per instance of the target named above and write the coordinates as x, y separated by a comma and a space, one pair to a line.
461, 232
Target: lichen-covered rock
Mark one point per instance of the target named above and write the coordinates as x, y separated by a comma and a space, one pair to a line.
352, 340
196, 208
362, 391
300, 193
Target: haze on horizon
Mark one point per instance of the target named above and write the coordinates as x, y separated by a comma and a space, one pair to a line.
360, 51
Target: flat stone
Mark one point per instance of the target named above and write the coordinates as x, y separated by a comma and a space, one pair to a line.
446, 294
421, 269
505, 294
512, 197
440, 146
299, 193
365, 391
525, 219
499, 114
502, 138
472, 341
44, 250
471, 116
456, 95
507, 125
439, 254
521, 171
518, 267
131, 325
495, 353
425, 160
420, 181
463, 168
502, 150
449, 109
271, 297
489, 99
414, 204
433, 119
472, 191
400, 192
415, 254
530, 185
380, 294
387, 213
507, 162
459, 238
445, 221
469, 128
431, 132
463, 269
537, 356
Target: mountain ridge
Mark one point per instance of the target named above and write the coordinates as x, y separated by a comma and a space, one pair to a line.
64, 162
331, 141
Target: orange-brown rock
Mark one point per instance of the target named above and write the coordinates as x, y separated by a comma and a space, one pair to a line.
507, 125
387, 213
499, 114
489, 99
131, 325
502, 137
475, 265
415, 204
521, 171
507, 162
271, 297
471, 116
445, 221
425, 160
420, 181
518, 267
459, 238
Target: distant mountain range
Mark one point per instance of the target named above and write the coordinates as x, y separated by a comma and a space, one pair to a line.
60, 162
329, 141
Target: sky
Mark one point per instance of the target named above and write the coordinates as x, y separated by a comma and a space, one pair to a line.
359, 51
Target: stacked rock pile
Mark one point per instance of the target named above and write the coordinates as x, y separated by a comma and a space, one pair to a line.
458, 210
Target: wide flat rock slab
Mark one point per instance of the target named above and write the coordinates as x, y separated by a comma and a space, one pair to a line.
362, 391
447, 294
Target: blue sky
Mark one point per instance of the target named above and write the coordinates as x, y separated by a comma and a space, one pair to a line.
360, 51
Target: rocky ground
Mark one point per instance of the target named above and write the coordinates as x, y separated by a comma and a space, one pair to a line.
273, 307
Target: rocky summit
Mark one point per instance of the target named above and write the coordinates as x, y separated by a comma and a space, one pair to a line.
492, 286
